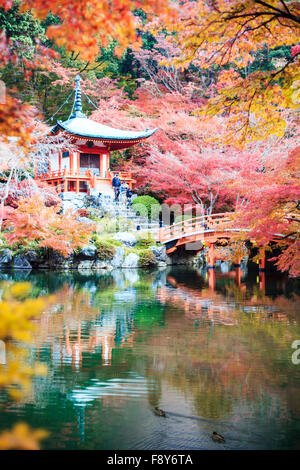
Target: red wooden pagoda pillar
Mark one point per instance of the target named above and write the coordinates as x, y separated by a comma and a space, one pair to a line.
77, 186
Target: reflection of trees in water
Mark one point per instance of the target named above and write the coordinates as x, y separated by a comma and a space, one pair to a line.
90, 314
223, 350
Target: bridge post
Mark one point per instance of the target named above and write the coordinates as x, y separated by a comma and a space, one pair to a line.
238, 274
262, 281
211, 256
211, 279
262, 262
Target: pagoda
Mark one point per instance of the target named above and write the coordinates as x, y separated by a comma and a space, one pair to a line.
87, 169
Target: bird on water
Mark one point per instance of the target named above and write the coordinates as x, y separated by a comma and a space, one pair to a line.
217, 437
159, 412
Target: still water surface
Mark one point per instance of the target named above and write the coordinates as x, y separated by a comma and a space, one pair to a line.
214, 354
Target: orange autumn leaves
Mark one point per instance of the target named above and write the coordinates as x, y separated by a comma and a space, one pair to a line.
32, 221
230, 34
87, 25
84, 28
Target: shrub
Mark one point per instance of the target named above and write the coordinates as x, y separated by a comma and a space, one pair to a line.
82, 213
125, 225
147, 259
107, 225
105, 249
145, 241
32, 221
147, 202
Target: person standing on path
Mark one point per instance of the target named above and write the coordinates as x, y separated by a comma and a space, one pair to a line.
123, 190
116, 183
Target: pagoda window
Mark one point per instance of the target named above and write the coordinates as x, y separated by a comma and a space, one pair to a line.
90, 161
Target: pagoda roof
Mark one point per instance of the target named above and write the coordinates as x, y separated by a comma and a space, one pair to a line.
87, 128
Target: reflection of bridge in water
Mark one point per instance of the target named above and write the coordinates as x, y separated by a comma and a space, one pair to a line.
209, 304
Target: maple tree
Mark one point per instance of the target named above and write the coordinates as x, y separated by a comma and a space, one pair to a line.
272, 211
229, 35
18, 165
32, 221
81, 29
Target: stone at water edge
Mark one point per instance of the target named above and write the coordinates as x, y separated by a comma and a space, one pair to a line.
85, 265
85, 220
118, 258
32, 257
126, 238
88, 252
100, 265
131, 261
20, 262
6, 257
159, 252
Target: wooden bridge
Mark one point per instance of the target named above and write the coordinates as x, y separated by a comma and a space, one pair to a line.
199, 231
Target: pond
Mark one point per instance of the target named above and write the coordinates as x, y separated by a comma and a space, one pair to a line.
212, 350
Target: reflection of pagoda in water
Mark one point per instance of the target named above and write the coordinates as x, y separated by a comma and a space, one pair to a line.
108, 330
81, 323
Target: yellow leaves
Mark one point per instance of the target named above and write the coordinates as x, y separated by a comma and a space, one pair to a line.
16, 325
19, 290
253, 107
21, 437
230, 33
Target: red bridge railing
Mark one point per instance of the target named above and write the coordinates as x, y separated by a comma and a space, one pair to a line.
213, 223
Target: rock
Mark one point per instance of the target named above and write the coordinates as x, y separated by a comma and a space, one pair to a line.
67, 195
88, 252
5, 258
161, 264
131, 261
159, 252
59, 261
20, 262
92, 201
33, 258
126, 238
100, 265
85, 266
118, 258
85, 220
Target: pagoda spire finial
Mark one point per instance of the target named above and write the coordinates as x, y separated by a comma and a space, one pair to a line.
77, 102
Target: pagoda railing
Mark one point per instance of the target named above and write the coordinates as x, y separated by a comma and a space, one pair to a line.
82, 174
